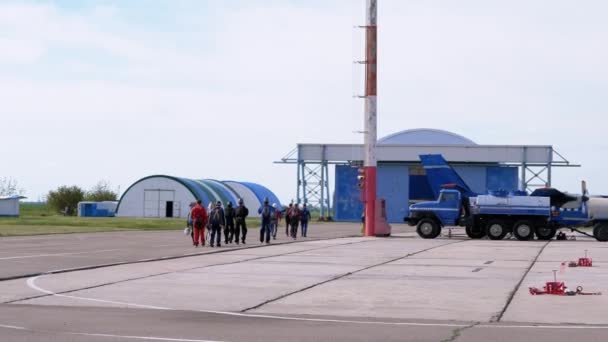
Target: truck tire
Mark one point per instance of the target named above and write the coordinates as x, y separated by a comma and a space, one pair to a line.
523, 230
496, 229
545, 233
600, 231
475, 231
428, 229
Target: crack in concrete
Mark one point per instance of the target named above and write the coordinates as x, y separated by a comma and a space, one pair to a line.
182, 270
342, 276
498, 317
458, 331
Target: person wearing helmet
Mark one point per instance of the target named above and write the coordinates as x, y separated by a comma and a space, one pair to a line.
217, 220
275, 219
266, 212
240, 215
229, 229
286, 215
304, 217
199, 220
294, 220
210, 208
189, 222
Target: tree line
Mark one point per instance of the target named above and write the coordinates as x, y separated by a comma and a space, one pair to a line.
65, 198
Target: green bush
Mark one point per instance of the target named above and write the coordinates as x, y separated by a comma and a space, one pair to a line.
65, 199
101, 192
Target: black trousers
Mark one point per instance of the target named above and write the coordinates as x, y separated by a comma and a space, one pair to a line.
294, 228
216, 230
229, 232
265, 231
240, 225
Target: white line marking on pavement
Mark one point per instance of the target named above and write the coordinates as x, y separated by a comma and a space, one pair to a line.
142, 337
12, 327
58, 254
111, 336
31, 282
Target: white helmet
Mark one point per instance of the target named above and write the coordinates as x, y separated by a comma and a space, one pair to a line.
274, 205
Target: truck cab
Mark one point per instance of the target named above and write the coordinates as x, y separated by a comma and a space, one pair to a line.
431, 216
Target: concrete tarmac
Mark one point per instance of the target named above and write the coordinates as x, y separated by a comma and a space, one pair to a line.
29, 255
401, 288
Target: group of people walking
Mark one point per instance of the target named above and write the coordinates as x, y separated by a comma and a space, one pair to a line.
231, 219
233, 222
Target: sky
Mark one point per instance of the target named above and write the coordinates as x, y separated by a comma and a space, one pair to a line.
119, 90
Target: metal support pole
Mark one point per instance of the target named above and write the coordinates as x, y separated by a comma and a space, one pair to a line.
304, 184
322, 189
548, 184
299, 180
322, 184
326, 185
370, 122
523, 181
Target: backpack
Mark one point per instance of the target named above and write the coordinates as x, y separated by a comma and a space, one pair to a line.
215, 218
294, 214
241, 212
266, 212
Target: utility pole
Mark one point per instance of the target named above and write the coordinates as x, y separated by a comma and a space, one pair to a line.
370, 124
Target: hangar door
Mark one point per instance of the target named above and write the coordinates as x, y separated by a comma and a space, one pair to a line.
160, 203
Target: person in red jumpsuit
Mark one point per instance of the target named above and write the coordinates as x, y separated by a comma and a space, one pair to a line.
199, 220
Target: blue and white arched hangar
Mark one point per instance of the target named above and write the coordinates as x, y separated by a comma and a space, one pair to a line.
168, 196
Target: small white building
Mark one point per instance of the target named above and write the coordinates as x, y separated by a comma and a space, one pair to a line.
9, 205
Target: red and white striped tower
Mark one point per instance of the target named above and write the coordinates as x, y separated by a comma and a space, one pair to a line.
370, 125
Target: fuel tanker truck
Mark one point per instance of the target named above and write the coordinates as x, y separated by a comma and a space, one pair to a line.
501, 212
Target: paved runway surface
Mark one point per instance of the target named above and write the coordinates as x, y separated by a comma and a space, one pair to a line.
28, 255
341, 289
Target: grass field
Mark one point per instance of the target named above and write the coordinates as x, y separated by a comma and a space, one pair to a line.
38, 219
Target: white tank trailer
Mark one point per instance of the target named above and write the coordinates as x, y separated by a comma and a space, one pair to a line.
598, 208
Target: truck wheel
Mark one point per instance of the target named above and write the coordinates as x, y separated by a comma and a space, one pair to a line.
475, 231
496, 230
428, 229
600, 231
523, 230
545, 233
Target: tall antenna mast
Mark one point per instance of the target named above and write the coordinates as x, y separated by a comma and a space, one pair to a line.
370, 124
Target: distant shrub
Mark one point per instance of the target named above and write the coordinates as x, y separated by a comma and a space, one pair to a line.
65, 199
101, 192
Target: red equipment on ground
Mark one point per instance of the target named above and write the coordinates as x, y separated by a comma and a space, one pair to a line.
560, 289
582, 262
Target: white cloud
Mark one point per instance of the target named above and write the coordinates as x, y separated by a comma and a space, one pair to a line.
225, 94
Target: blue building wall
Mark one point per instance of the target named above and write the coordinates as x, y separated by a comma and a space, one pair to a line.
347, 203
502, 178
394, 187
474, 176
420, 189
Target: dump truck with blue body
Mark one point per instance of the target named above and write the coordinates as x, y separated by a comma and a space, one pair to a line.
500, 212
